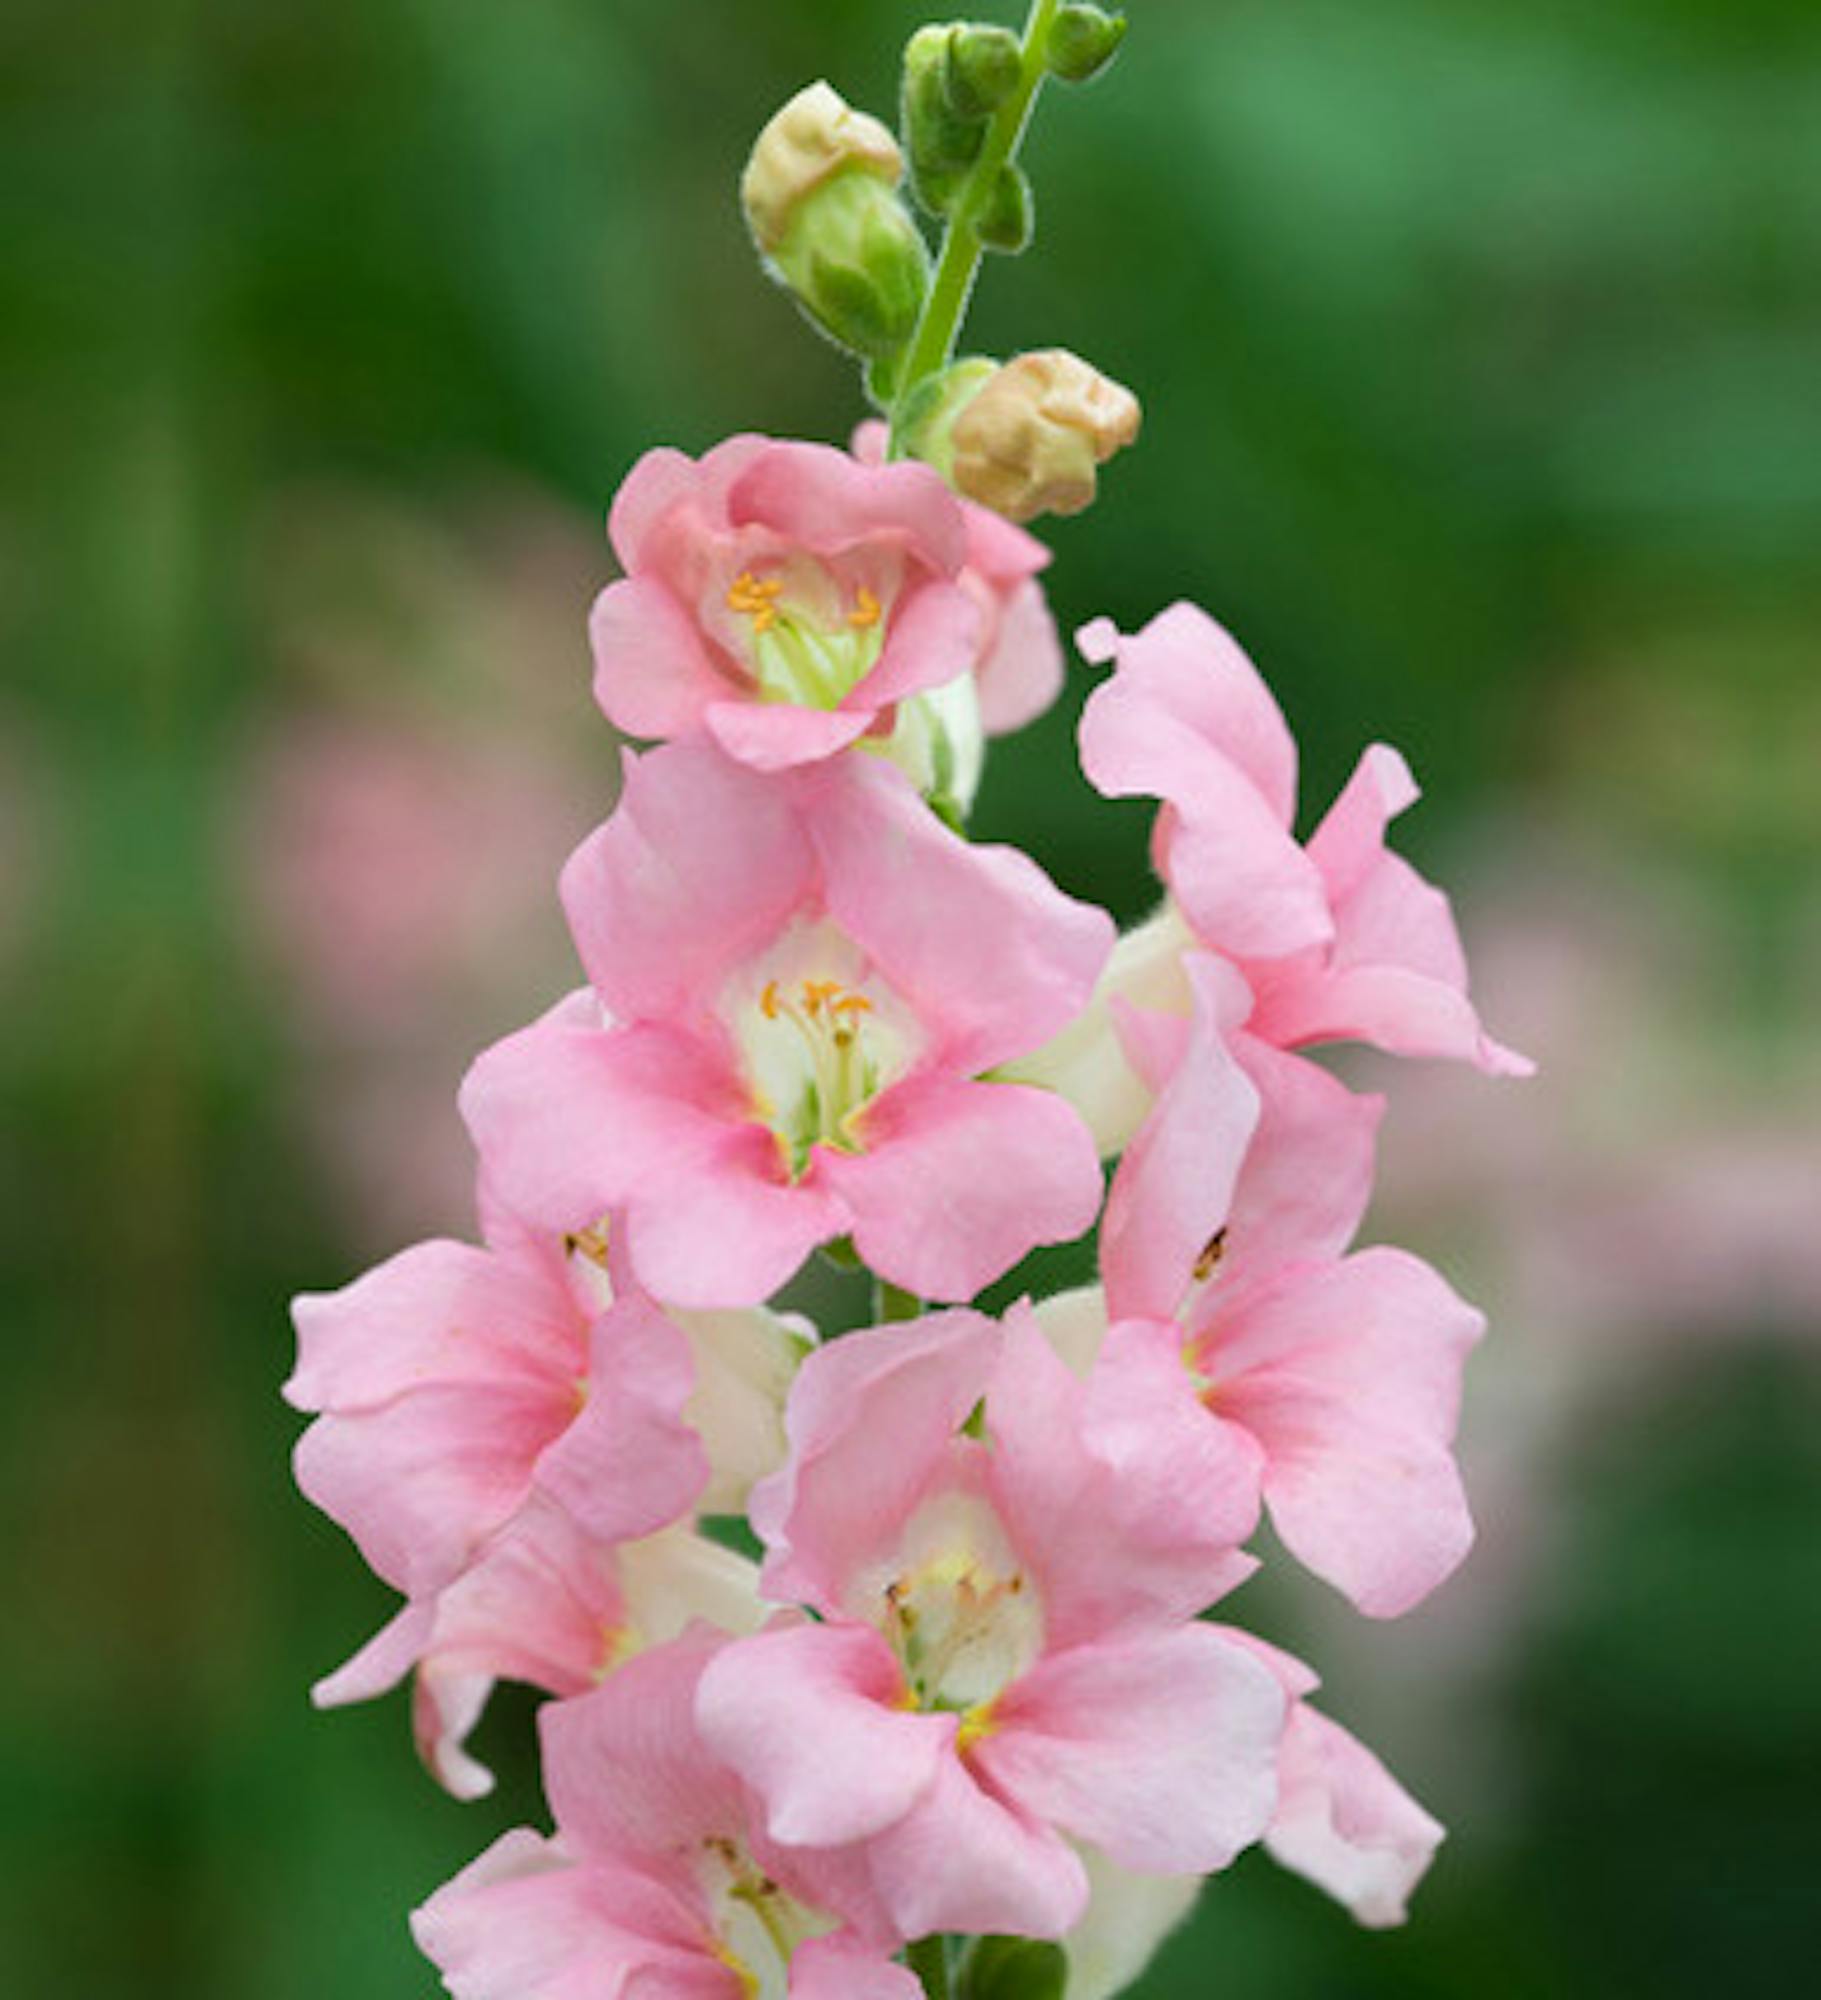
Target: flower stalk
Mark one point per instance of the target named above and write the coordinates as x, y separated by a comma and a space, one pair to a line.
932, 346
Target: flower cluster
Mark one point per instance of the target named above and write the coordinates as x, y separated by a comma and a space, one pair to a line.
968, 1687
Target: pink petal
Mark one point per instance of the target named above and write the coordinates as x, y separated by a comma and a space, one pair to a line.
778, 736
629, 1464
1346, 1824
627, 1773
1242, 881
1185, 665
1108, 1491
841, 1503
933, 639
542, 1604
653, 675
812, 1718
992, 955
382, 1662
439, 1311
701, 864
1308, 1175
1175, 1186
1022, 672
422, 1481
525, 1923
842, 1968
964, 1860
825, 501
1349, 1375
570, 1120
729, 1229
1162, 1751
959, 1180
1396, 975
666, 479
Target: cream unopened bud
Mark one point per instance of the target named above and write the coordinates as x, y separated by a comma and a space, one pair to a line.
816, 136
1032, 440
820, 195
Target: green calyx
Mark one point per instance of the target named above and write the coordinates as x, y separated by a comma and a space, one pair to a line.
857, 263
1083, 40
1004, 219
1009, 1968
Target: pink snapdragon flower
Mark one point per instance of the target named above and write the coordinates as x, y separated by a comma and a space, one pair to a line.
799, 985
659, 1880
1332, 1380
510, 1444
781, 596
1007, 1660
1339, 940
1342, 1821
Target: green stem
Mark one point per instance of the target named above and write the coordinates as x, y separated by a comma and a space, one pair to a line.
892, 1303
933, 344
928, 1959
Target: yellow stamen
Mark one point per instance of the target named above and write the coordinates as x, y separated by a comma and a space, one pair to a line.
977, 1723
768, 1000
590, 1243
865, 613
1212, 1252
755, 597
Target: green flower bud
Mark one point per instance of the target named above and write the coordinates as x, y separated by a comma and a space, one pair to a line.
1004, 221
944, 143
1010, 1968
819, 194
1083, 40
984, 65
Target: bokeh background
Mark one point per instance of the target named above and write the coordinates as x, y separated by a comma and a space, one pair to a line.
1481, 346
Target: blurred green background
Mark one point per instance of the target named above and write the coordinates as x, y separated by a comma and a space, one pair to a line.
1481, 350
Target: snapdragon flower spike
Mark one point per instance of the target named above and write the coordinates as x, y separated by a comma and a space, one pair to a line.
1341, 940
782, 597
1335, 1377
801, 986
658, 1880
1007, 1658
502, 1437
1343, 1821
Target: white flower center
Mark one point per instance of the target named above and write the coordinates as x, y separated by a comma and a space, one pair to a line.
821, 1033
809, 642
959, 1610
757, 1926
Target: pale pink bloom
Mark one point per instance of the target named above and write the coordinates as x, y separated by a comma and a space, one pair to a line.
1007, 1659
496, 1427
1334, 1378
1018, 668
547, 1604
1342, 1822
1339, 940
800, 984
781, 596
660, 1881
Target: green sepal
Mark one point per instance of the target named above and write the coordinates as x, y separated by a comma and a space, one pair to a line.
1005, 221
842, 1254
984, 66
941, 142
1083, 40
882, 381
1010, 1968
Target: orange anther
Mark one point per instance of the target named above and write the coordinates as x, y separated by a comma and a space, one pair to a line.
866, 610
